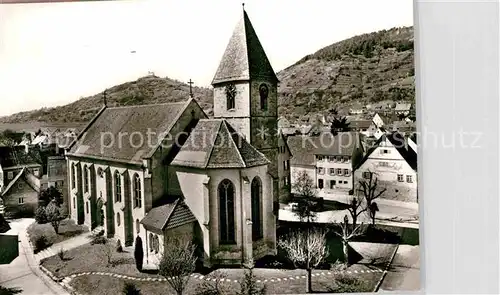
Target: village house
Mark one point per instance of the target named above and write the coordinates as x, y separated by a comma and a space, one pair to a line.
357, 109
402, 109
284, 156
394, 164
20, 195
365, 127
328, 160
214, 181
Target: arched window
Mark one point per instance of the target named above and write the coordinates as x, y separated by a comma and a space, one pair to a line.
86, 173
137, 226
151, 242
226, 212
264, 93
230, 96
137, 191
73, 176
118, 218
118, 187
256, 197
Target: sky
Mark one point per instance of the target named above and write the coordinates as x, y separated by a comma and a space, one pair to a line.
55, 53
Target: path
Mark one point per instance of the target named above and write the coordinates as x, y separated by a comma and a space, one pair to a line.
404, 272
65, 245
23, 272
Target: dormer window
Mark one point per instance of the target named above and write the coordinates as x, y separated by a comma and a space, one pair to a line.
264, 93
230, 96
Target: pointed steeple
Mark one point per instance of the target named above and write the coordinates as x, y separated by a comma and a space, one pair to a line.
244, 58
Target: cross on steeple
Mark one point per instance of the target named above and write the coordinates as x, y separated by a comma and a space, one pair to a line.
190, 88
243, 5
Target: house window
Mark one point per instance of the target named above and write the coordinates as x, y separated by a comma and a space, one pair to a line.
10, 175
87, 207
73, 176
320, 158
226, 212
383, 164
118, 187
409, 178
385, 151
156, 244
401, 178
230, 96
21, 200
36, 172
366, 175
332, 184
331, 159
264, 93
137, 226
321, 170
339, 171
285, 181
20, 185
346, 172
86, 178
118, 221
320, 183
285, 165
137, 191
332, 171
256, 195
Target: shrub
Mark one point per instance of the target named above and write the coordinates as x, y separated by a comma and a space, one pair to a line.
41, 243
97, 239
138, 253
119, 247
130, 289
40, 216
350, 284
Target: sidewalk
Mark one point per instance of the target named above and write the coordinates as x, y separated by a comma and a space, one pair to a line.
23, 272
65, 245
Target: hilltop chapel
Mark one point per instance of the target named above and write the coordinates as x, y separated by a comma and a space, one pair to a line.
211, 180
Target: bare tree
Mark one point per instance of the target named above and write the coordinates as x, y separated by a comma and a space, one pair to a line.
178, 263
370, 191
305, 250
356, 209
346, 234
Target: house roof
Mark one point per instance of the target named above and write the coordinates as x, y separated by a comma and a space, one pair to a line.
244, 57
16, 179
17, 156
213, 143
403, 107
304, 148
360, 123
396, 139
111, 134
167, 216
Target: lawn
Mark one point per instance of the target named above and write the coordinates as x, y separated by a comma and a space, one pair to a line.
67, 230
88, 258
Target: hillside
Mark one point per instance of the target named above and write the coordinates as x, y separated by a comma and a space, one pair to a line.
368, 68
145, 90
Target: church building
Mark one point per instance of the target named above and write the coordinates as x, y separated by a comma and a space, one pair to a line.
167, 170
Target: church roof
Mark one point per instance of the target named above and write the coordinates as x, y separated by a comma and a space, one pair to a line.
244, 58
213, 143
127, 133
167, 216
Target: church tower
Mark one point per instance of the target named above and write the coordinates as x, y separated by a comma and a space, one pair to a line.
246, 93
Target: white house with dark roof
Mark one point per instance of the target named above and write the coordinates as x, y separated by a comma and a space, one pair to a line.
394, 164
214, 181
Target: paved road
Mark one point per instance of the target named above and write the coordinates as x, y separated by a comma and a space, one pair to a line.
404, 272
23, 272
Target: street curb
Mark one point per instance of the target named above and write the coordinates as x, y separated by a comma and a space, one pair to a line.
50, 274
385, 270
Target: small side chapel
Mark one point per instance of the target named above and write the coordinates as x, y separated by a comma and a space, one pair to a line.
211, 181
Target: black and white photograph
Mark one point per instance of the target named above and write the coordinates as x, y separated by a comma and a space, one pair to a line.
208, 147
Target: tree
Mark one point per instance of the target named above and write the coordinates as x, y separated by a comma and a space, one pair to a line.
355, 209
55, 215
369, 189
40, 216
305, 249
346, 234
138, 253
50, 194
249, 286
339, 125
306, 200
178, 263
